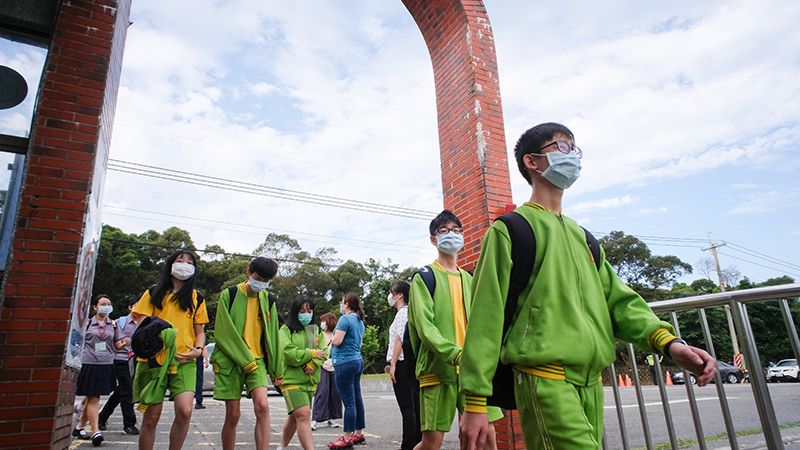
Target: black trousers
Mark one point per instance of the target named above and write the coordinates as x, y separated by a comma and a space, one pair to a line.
122, 395
198, 384
406, 391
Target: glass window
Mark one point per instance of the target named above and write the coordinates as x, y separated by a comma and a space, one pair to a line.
28, 61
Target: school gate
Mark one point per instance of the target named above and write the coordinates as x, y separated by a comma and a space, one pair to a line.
51, 217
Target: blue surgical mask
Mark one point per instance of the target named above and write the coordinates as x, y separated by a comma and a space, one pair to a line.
305, 318
565, 168
105, 310
450, 243
257, 285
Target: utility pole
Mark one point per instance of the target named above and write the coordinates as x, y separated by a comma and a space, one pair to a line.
713, 248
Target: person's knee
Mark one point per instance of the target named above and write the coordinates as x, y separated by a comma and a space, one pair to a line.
261, 408
232, 414
302, 414
183, 412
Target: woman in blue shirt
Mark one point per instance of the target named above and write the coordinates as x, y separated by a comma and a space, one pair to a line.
348, 366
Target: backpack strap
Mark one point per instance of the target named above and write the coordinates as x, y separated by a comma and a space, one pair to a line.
426, 273
523, 253
594, 247
232, 296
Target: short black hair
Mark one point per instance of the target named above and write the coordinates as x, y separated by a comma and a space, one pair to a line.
442, 219
98, 297
532, 140
400, 287
265, 268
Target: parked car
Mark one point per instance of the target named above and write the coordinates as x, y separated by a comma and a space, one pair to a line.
785, 370
208, 375
728, 373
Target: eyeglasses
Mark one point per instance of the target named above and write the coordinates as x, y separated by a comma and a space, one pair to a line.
564, 147
445, 230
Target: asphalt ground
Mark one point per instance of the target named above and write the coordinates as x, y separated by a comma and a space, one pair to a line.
384, 430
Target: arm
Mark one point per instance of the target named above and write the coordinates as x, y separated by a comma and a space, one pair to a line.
229, 339
398, 348
420, 314
197, 350
293, 354
275, 361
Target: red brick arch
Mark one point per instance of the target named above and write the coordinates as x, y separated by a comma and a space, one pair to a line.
475, 180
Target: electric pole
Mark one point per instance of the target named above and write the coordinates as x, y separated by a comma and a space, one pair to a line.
713, 248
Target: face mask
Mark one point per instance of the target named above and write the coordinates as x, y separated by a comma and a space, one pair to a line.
341, 309
105, 310
182, 271
257, 285
564, 169
324, 326
305, 318
450, 243
391, 299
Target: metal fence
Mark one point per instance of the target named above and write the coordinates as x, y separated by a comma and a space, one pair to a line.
737, 302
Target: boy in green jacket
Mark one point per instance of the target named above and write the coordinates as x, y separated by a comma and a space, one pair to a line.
437, 326
247, 349
567, 317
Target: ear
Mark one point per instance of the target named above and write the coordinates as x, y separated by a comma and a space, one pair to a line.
433, 240
531, 162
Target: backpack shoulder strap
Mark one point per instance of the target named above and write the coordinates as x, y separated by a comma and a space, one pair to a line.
426, 273
523, 253
272, 299
232, 296
594, 247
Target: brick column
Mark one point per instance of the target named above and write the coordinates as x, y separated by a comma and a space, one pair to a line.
64, 174
475, 180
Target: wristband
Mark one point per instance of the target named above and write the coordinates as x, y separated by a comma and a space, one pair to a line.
669, 344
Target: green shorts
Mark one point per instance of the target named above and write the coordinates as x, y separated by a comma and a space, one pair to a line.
229, 387
182, 379
438, 405
297, 396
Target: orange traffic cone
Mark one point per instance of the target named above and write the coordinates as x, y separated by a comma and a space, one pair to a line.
669, 379
620, 381
628, 381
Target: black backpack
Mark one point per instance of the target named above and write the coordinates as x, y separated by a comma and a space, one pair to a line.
146, 341
523, 252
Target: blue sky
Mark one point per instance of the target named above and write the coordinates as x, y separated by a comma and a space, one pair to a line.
688, 114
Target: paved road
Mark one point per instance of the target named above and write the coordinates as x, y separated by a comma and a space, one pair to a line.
383, 420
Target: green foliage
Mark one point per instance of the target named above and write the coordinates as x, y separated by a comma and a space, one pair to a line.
371, 348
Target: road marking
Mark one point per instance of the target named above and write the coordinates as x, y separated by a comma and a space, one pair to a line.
636, 405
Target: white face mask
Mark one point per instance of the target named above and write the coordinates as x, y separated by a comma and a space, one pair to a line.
391, 299
324, 326
450, 242
182, 271
257, 285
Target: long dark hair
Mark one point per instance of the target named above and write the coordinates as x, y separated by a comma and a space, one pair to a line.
353, 304
164, 285
293, 323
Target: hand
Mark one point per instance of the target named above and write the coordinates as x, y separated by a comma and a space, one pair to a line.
473, 431
392, 369
308, 369
319, 354
188, 357
277, 382
695, 360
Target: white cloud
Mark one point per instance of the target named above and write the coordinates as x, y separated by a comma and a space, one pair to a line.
605, 203
769, 201
649, 211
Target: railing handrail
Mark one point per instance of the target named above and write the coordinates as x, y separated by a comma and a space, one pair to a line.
724, 298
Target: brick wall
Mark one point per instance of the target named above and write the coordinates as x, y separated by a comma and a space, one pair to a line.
475, 178
64, 172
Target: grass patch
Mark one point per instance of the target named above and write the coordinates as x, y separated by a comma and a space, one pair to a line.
683, 443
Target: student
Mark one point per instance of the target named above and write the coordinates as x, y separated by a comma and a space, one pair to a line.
303, 352
96, 377
567, 317
348, 366
123, 395
437, 325
247, 350
327, 403
400, 372
174, 300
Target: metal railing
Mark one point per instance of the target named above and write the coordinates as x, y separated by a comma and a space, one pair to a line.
737, 302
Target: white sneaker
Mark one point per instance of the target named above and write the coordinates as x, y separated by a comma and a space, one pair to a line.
313, 426
332, 424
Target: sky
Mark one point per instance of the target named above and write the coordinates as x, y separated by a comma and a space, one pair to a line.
688, 114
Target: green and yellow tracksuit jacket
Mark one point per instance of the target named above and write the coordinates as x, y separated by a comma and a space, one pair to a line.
566, 318
432, 329
231, 350
297, 355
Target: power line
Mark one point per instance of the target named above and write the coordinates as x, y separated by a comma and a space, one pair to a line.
371, 244
757, 264
266, 191
750, 252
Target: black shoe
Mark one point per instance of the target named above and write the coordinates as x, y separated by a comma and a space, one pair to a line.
97, 439
131, 430
199, 406
81, 434
101, 426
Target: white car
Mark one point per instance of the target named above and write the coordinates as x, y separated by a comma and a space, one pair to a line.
785, 370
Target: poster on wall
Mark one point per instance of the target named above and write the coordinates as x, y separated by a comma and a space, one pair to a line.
81, 303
